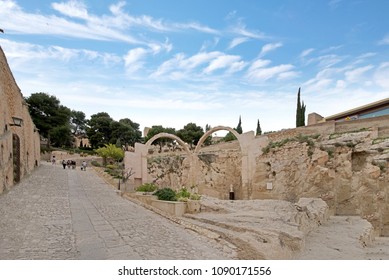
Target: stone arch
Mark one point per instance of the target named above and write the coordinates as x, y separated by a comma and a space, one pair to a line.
171, 136
212, 130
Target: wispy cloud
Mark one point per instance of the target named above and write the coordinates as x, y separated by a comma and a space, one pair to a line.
259, 72
306, 52
356, 75
381, 76
231, 62
384, 41
75, 21
181, 66
237, 41
334, 3
32, 52
134, 59
269, 47
241, 29
71, 8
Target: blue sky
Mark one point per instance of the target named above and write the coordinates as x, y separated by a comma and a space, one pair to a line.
177, 61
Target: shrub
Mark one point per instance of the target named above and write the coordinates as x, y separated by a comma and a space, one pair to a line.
195, 196
95, 163
111, 166
166, 194
147, 187
183, 193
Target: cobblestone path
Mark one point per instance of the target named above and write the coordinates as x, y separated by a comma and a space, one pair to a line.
73, 214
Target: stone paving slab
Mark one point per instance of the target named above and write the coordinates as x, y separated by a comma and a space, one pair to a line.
72, 214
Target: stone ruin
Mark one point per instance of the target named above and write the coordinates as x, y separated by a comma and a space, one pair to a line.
344, 164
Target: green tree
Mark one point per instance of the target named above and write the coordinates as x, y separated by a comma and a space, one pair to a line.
47, 113
259, 130
229, 136
300, 111
156, 129
191, 134
125, 132
99, 131
239, 127
61, 136
78, 122
110, 151
208, 141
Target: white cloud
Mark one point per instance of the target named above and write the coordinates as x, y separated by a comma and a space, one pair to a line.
306, 52
259, 63
134, 59
259, 72
269, 47
75, 21
356, 75
381, 76
72, 8
240, 29
329, 60
334, 3
224, 61
181, 66
384, 41
210, 44
237, 41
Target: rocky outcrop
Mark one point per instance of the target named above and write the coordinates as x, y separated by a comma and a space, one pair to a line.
262, 229
347, 170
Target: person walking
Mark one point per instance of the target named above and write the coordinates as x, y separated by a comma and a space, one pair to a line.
84, 165
64, 164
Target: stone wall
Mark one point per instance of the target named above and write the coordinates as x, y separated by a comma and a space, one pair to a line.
216, 171
19, 145
345, 164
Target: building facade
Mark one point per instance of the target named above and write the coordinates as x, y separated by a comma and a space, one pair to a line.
19, 138
376, 109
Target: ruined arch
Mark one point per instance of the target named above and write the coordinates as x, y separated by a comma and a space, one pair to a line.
171, 136
212, 130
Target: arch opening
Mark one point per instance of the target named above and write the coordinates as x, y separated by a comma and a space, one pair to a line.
213, 130
170, 136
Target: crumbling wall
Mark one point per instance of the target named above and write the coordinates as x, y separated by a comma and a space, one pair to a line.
347, 170
216, 172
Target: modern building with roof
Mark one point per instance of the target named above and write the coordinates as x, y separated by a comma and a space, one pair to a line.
371, 110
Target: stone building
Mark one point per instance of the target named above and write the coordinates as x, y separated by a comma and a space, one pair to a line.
19, 138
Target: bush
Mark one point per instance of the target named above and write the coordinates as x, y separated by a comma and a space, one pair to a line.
195, 196
183, 193
147, 187
96, 163
166, 194
111, 166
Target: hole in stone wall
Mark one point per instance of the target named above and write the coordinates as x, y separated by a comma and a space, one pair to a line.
358, 160
274, 173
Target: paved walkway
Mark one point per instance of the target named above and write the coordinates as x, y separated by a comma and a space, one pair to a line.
72, 214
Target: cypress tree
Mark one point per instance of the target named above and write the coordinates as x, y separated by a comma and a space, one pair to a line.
259, 130
239, 127
300, 111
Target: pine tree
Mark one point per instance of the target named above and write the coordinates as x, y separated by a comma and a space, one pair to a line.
259, 130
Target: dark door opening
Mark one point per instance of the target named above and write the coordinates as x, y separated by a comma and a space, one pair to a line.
16, 157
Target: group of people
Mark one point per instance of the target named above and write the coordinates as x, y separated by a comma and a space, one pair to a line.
72, 164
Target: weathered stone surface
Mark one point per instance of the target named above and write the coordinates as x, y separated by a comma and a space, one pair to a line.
344, 169
19, 162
